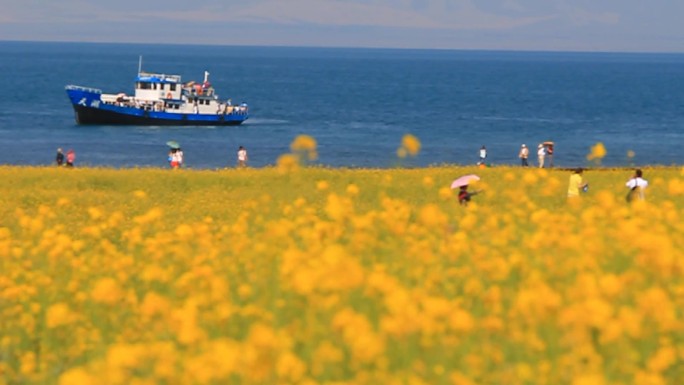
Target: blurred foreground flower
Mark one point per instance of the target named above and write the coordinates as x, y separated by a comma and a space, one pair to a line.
287, 162
304, 146
598, 152
410, 145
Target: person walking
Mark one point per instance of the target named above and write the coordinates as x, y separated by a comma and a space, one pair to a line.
576, 184
242, 157
464, 195
523, 155
60, 157
483, 155
541, 154
636, 186
70, 158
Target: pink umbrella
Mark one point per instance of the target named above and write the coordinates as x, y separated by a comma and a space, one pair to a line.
464, 180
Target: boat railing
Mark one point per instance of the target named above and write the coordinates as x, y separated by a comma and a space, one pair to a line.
86, 89
159, 77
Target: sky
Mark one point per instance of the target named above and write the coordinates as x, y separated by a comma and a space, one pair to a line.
545, 25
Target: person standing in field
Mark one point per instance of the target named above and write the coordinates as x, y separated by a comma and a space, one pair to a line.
483, 155
523, 154
242, 157
464, 195
541, 154
70, 158
576, 184
60, 157
636, 186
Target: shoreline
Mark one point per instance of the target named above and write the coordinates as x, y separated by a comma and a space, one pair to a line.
350, 168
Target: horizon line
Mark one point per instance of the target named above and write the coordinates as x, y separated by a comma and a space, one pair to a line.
538, 50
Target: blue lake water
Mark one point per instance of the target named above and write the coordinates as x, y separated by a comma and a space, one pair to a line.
357, 103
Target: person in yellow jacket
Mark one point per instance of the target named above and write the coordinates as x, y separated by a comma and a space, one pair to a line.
576, 184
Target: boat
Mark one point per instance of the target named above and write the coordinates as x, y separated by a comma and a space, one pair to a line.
159, 100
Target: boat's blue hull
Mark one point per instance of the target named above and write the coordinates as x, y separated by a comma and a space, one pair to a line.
89, 109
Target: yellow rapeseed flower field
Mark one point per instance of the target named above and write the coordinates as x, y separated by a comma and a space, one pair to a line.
305, 275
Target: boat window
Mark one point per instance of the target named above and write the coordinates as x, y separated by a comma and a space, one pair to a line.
144, 85
173, 87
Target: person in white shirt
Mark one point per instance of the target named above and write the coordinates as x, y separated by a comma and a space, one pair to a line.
242, 157
541, 153
524, 153
636, 186
483, 155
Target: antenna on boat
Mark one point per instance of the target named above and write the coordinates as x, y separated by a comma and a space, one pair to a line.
139, 64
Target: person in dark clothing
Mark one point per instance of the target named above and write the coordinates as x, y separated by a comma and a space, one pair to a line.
60, 157
464, 195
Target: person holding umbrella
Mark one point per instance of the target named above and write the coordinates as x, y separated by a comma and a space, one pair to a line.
549, 152
462, 183
175, 154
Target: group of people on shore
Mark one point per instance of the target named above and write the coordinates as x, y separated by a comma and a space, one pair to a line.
544, 155
636, 184
175, 157
544, 152
67, 160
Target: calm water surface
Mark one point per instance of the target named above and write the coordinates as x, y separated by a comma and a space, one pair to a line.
357, 103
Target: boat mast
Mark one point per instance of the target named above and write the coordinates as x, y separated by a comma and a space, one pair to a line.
139, 64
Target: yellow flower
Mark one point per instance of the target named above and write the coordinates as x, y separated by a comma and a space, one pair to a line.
107, 291
589, 379
140, 194
663, 359
290, 367
287, 162
59, 314
352, 189
154, 304
305, 144
78, 376
598, 152
431, 216
411, 144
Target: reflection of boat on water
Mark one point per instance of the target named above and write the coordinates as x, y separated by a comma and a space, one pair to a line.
159, 100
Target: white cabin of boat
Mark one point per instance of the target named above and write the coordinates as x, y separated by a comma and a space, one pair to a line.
161, 92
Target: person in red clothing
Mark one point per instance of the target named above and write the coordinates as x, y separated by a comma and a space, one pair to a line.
549, 153
70, 158
464, 195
